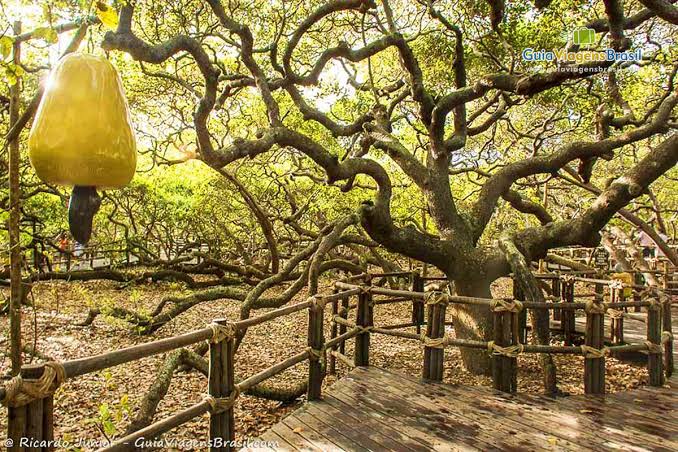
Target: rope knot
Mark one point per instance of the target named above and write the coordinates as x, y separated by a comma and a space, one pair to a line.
506, 305
316, 302
316, 354
20, 391
592, 352
511, 351
430, 342
593, 307
435, 297
220, 405
221, 332
652, 347
615, 314
667, 337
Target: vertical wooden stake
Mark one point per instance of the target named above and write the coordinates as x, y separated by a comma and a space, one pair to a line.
504, 368
363, 318
316, 342
567, 316
522, 315
332, 364
667, 325
342, 328
417, 305
434, 358
555, 285
654, 358
221, 384
594, 368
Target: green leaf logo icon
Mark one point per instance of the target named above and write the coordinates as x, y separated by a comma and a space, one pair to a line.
584, 36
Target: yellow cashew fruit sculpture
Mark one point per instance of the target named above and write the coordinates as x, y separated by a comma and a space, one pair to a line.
82, 136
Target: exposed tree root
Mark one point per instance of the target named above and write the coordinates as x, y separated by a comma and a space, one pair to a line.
539, 317
185, 359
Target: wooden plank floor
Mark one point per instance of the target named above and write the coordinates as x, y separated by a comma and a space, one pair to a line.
375, 409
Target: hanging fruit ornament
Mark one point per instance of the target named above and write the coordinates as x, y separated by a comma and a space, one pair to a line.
82, 137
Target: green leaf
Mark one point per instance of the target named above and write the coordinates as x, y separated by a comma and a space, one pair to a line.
5, 46
107, 15
46, 33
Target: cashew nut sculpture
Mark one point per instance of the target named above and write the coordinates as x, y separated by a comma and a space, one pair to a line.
82, 137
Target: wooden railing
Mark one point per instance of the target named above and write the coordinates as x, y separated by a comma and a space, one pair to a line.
30, 396
509, 327
35, 420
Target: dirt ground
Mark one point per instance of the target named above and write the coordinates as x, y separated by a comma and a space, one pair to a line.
99, 405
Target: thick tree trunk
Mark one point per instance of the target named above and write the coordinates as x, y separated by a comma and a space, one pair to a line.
473, 322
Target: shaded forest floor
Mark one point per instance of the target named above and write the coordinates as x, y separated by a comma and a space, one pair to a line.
100, 405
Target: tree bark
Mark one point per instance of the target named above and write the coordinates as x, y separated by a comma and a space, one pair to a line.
474, 323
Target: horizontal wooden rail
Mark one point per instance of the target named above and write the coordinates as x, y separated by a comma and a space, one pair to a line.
156, 429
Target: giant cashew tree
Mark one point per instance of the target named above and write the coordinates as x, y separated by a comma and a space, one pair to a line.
434, 96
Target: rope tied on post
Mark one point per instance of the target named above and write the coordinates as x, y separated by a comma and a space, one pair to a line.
438, 342
316, 302
615, 313
512, 351
594, 307
653, 303
652, 347
364, 329
220, 405
316, 354
435, 297
221, 332
592, 352
20, 391
506, 305
666, 337
567, 278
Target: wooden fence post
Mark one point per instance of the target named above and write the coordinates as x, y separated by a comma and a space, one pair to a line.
434, 357
555, 285
616, 316
343, 312
222, 385
33, 422
667, 325
567, 324
504, 367
417, 304
522, 314
364, 314
594, 364
316, 343
654, 352
332, 360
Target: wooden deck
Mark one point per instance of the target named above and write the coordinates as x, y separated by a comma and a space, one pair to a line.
375, 409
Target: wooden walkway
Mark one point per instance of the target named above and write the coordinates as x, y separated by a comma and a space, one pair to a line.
375, 409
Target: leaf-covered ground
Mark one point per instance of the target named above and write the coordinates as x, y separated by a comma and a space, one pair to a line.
100, 405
